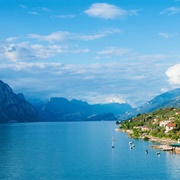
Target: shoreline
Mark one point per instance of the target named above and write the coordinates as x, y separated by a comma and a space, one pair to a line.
162, 143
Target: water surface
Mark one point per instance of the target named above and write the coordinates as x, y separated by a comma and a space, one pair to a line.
79, 150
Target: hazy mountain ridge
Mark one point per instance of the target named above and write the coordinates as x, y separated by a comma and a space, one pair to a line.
168, 99
174, 103
114, 108
60, 109
14, 108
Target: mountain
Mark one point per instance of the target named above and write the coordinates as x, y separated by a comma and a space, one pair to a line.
168, 99
158, 101
102, 117
114, 108
60, 109
14, 107
172, 103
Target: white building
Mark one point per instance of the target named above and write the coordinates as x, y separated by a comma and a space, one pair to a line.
169, 126
163, 123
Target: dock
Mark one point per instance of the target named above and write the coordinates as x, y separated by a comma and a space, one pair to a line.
163, 147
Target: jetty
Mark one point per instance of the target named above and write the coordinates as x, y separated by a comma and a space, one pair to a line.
162, 147
168, 147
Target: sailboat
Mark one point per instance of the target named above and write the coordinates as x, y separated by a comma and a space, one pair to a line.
112, 142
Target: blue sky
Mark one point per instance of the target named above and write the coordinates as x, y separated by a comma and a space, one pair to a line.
96, 51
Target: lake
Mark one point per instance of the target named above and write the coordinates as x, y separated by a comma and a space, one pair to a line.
79, 150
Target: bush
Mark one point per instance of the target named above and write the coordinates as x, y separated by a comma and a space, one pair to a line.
175, 137
146, 138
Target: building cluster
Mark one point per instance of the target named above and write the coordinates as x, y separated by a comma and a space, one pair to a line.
169, 125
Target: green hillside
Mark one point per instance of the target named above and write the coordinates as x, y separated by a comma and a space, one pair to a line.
162, 123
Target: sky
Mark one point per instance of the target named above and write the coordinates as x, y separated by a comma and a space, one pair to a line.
125, 51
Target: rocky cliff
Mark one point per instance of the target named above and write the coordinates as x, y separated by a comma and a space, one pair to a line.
14, 107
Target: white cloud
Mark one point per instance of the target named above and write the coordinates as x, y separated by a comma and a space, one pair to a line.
108, 11
77, 51
138, 77
53, 37
95, 98
163, 90
33, 13
23, 6
171, 11
173, 74
147, 57
111, 31
25, 51
115, 98
90, 37
113, 51
165, 35
11, 52
45, 9
95, 83
64, 16
18, 66
11, 39
61, 36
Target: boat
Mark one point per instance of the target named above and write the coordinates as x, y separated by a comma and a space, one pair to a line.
131, 145
146, 151
112, 143
158, 153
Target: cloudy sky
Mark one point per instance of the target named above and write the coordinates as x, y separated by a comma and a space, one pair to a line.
96, 51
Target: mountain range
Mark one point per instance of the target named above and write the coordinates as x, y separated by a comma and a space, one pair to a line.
168, 99
61, 109
15, 108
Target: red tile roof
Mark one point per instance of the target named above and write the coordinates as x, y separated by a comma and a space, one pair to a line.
170, 124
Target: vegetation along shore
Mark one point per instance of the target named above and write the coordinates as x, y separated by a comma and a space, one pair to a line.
161, 126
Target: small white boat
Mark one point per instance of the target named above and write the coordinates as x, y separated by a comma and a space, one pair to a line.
112, 143
131, 147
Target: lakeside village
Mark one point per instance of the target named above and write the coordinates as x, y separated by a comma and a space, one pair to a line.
161, 126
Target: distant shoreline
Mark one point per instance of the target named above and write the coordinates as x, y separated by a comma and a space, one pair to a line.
162, 143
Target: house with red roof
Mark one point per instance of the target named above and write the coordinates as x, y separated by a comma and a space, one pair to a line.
169, 126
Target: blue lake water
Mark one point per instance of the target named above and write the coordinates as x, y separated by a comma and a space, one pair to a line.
79, 150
